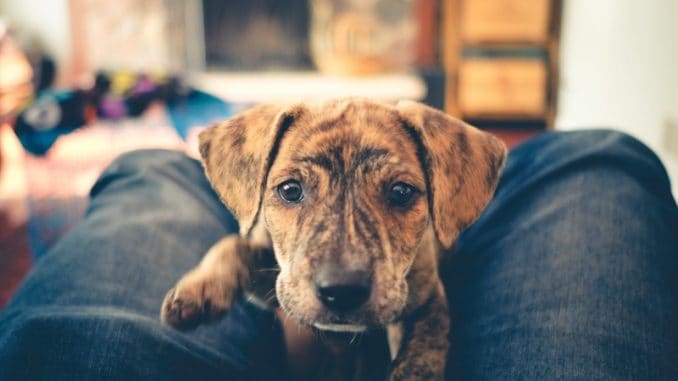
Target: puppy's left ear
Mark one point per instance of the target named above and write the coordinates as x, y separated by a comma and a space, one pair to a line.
462, 164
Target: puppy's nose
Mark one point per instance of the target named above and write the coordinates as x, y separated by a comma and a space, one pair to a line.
343, 291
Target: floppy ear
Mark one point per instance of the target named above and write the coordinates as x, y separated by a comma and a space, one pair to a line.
238, 153
462, 164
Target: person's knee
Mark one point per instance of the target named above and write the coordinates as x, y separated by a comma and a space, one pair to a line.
558, 153
607, 142
621, 151
158, 164
146, 159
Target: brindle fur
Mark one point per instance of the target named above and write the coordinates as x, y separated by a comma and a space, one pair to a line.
346, 153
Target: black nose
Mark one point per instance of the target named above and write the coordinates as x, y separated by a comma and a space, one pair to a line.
343, 291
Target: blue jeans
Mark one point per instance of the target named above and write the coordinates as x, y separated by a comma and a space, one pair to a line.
570, 273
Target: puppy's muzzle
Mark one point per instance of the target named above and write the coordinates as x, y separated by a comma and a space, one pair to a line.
342, 290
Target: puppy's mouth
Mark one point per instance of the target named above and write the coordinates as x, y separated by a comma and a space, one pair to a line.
339, 308
329, 322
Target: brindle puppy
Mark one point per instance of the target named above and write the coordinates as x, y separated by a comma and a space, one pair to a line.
351, 203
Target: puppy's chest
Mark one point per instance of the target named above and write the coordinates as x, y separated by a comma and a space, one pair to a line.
331, 356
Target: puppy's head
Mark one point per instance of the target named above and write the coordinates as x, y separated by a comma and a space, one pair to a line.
352, 193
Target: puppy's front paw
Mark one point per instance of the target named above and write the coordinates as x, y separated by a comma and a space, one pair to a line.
415, 372
199, 297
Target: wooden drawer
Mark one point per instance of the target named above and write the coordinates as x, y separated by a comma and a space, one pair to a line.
504, 21
502, 87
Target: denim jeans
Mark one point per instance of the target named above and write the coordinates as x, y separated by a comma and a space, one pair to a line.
570, 273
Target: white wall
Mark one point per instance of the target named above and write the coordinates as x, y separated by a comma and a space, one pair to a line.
619, 68
48, 20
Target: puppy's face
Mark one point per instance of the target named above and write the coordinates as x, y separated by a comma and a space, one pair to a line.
354, 195
346, 206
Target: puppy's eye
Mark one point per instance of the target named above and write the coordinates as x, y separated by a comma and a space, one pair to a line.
401, 194
291, 191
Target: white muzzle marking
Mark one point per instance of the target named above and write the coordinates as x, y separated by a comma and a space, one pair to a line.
353, 328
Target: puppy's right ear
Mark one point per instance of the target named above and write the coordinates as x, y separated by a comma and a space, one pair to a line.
463, 165
238, 153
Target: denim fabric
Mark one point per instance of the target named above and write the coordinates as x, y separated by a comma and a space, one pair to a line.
568, 274
90, 307
571, 271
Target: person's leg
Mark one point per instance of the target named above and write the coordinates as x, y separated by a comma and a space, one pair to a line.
90, 307
571, 271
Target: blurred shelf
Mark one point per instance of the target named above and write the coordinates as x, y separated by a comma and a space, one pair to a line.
511, 123
257, 87
500, 59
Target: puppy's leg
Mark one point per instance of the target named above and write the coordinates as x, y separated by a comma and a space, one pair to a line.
424, 341
203, 294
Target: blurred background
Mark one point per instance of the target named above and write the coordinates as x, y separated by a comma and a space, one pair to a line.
82, 81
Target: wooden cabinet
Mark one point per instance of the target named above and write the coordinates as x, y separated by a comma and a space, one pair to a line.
504, 21
502, 88
500, 60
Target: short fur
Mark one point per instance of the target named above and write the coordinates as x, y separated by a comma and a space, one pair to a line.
346, 154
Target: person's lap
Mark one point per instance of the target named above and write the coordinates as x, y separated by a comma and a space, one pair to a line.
569, 273
89, 309
566, 275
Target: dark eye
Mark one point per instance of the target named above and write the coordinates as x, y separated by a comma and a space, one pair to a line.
291, 191
401, 194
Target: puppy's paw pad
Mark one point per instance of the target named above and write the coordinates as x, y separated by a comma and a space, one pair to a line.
196, 300
181, 310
